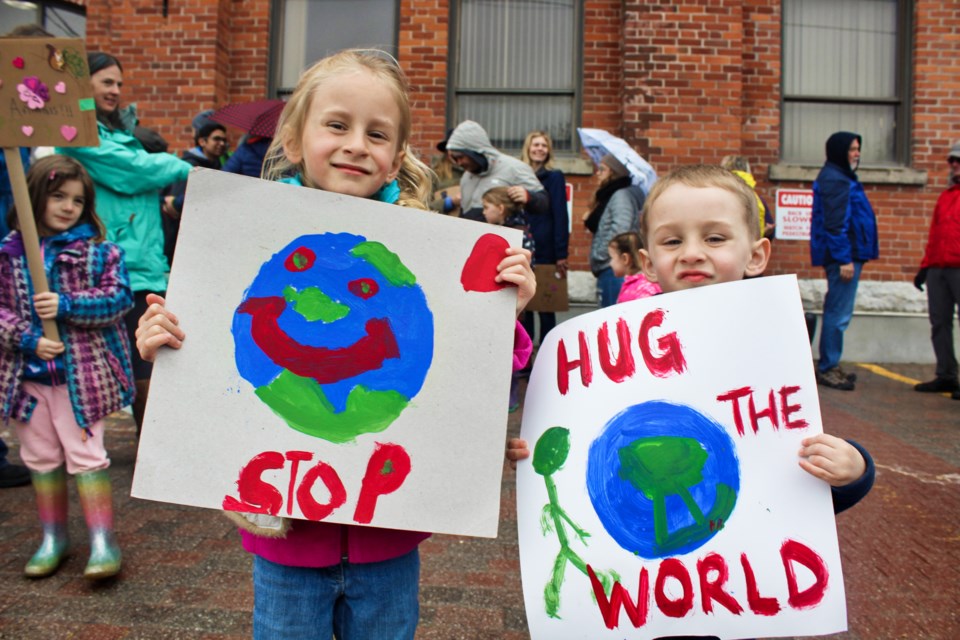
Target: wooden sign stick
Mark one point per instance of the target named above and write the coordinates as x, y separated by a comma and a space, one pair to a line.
28, 230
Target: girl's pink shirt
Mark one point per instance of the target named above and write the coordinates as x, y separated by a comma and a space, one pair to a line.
324, 544
637, 286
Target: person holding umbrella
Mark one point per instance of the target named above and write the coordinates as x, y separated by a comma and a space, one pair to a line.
128, 181
259, 119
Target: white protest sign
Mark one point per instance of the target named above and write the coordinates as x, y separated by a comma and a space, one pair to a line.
794, 210
346, 360
663, 496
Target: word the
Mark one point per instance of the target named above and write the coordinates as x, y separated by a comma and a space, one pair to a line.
712, 573
668, 362
777, 413
387, 468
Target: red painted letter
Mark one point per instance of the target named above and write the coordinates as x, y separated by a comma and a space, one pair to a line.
312, 509
758, 604
610, 609
388, 467
734, 396
624, 367
770, 413
672, 359
295, 457
673, 568
565, 366
711, 590
257, 496
792, 551
786, 409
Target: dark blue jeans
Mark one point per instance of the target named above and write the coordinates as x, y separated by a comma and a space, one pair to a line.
837, 312
608, 288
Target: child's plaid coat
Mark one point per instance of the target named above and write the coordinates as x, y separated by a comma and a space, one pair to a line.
95, 294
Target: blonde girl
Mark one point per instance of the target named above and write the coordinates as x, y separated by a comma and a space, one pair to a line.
345, 129
624, 251
57, 392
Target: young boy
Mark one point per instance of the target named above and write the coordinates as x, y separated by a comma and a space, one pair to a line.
700, 227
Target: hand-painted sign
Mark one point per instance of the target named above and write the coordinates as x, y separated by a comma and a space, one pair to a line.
46, 94
663, 496
338, 365
794, 209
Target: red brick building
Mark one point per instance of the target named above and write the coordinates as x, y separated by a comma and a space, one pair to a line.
683, 81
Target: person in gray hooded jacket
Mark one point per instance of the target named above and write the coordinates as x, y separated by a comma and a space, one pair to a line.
484, 168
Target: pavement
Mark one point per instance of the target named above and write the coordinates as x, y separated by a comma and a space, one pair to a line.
186, 576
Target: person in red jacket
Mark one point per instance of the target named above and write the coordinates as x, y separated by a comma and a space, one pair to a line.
940, 270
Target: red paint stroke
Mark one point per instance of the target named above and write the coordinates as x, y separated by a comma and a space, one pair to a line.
388, 467
480, 269
792, 551
671, 359
760, 605
786, 409
322, 364
257, 496
565, 366
312, 509
295, 458
620, 597
364, 288
18, 62
711, 590
301, 259
770, 413
673, 568
776, 413
625, 366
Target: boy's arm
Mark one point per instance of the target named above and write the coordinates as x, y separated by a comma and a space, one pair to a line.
850, 494
845, 465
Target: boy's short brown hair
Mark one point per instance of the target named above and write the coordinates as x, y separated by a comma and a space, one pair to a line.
701, 176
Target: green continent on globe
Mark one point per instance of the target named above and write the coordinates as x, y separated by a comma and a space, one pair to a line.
303, 405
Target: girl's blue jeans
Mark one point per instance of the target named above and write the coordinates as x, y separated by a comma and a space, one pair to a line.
347, 601
608, 287
837, 312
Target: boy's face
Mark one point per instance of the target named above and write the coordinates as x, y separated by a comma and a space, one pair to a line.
697, 237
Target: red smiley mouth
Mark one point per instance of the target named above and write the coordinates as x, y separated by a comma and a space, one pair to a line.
319, 363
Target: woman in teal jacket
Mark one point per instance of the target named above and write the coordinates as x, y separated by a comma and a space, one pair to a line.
128, 181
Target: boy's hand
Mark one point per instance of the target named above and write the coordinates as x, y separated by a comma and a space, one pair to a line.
47, 304
516, 269
517, 450
157, 327
832, 459
49, 349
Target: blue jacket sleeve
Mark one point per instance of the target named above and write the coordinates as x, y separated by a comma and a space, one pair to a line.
556, 187
848, 495
835, 195
127, 170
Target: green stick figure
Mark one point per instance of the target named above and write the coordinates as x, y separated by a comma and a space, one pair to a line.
549, 455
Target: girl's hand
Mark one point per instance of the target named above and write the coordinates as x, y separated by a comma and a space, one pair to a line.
49, 349
515, 268
832, 459
47, 304
517, 450
157, 327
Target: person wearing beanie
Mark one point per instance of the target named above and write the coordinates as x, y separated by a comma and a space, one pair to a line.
615, 209
484, 168
843, 237
940, 271
128, 179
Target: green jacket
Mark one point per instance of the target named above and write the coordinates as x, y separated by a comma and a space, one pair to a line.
128, 182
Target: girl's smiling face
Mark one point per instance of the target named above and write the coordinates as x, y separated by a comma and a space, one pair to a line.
699, 236
351, 136
64, 206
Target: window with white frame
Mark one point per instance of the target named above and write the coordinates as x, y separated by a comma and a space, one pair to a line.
516, 68
62, 19
308, 30
846, 68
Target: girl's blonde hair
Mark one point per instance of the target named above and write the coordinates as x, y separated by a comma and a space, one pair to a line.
525, 154
500, 197
414, 177
46, 176
628, 243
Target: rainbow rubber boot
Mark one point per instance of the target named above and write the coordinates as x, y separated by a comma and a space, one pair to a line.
51, 489
94, 490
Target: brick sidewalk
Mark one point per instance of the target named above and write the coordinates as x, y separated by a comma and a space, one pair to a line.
185, 575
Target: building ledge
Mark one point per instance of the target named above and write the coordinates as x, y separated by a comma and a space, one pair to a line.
867, 175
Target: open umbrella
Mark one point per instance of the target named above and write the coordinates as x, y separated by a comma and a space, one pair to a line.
598, 143
258, 118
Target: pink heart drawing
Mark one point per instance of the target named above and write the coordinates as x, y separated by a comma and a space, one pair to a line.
60, 87
68, 132
27, 130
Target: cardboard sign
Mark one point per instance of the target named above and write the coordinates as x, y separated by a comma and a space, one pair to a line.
794, 210
46, 94
346, 360
551, 290
663, 496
